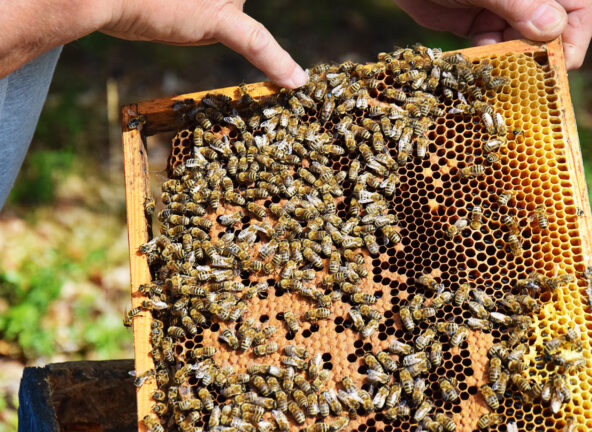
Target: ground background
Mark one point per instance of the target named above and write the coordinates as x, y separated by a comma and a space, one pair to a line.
63, 239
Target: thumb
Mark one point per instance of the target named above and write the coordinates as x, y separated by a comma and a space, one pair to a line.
248, 37
537, 20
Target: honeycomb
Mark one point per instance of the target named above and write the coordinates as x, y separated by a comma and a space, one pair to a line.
430, 197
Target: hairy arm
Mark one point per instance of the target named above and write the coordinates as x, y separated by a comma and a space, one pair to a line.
29, 28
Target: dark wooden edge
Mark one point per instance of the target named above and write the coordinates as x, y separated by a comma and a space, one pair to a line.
35, 412
81, 396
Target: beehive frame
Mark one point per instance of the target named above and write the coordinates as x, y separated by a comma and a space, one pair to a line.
161, 118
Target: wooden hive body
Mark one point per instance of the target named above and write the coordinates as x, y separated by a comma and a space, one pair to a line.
542, 166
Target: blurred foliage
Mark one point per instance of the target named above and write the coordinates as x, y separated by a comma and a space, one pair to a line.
64, 278
28, 294
8, 413
37, 179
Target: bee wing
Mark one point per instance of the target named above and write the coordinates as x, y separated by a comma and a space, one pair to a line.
160, 305
512, 427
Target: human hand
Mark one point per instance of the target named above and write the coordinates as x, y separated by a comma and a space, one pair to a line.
202, 22
491, 21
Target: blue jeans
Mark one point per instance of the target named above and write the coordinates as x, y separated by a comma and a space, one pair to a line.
22, 95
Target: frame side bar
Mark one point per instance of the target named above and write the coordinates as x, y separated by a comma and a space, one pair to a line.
572, 146
137, 186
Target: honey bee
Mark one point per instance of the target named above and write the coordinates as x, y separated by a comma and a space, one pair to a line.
493, 145
203, 352
421, 314
449, 328
367, 403
363, 298
569, 424
257, 210
500, 124
500, 385
130, 315
162, 377
456, 228
511, 223
176, 332
291, 321
541, 217
407, 319
515, 245
152, 425
487, 120
423, 410
141, 378
317, 314
521, 383
266, 349
261, 385
397, 412
478, 324
472, 171
300, 398
445, 422
425, 339
449, 392
436, 354
281, 420
312, 257
483, 298
504, 198
154, 305
313, 405
371, 245
557, 282
441, 299
430, 283
478, 310
476, 217
490, 397
296, 412
488, 420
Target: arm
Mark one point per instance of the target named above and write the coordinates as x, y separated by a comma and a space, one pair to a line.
29, 28
490, 21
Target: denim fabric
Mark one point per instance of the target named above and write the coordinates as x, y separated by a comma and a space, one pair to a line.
22, 95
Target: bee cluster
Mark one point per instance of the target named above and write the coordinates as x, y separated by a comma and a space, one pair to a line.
257, 200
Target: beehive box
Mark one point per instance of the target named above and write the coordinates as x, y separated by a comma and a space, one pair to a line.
542, 166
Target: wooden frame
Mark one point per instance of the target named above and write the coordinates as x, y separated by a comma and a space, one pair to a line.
161, 118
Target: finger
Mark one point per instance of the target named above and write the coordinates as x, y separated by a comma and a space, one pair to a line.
577, 34
250, 38
538, 20
439, 17
486, 38
511, 33
487, 28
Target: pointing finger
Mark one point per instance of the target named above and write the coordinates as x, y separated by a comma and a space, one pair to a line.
250, 38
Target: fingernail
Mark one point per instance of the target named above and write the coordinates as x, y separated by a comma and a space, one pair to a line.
298, 78
546, 18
